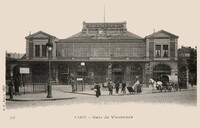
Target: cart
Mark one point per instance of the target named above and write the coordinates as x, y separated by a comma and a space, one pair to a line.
170, 82
136, 88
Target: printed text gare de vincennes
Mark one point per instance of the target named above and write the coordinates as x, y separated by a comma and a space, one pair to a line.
104, 117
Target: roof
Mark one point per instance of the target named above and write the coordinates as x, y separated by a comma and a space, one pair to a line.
40, 35
81, 36
103, 31
15, 55
158, 33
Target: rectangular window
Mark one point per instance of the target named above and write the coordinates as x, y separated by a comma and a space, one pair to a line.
37, 50
44, 51
158, 51
165, 50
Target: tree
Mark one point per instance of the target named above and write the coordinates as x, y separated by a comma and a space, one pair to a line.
192, 66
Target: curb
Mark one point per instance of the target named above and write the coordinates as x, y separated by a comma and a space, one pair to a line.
49, 99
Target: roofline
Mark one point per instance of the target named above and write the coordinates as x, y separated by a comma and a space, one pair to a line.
30, 36
96, 40
130, 38
151, 35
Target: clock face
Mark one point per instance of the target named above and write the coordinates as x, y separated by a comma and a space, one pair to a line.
100, 31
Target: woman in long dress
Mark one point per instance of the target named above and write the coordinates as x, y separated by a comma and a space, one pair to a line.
97, 90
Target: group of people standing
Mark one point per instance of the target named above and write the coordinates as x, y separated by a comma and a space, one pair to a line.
16, 84
111, 86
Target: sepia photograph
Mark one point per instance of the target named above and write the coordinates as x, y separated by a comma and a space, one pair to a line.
93, 63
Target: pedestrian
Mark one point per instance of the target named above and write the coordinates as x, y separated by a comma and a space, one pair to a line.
117, 87
123, 88
110, 87
137, 86
191, 80
72, 82
10, 89
17, 84
97, 90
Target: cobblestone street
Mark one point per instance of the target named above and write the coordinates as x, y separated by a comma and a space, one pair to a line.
63, 96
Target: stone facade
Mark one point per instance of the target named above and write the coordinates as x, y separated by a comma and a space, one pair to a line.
161, 64
108, 50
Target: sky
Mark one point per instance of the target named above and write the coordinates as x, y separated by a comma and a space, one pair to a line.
64, 18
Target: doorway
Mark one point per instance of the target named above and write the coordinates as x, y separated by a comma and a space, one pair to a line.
118, 76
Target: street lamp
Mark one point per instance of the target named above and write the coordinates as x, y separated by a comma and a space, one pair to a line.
82, 65
49, 87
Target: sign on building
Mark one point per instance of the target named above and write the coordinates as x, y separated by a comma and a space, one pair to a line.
24, 70
79, 79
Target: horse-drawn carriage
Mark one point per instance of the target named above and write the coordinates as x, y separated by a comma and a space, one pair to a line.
135, 88
167, 83
170, 82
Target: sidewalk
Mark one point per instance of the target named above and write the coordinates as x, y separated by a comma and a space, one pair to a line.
56, 95
104, 91
64, 92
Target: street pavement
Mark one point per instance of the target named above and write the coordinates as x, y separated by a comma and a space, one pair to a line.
62, 95
60, 91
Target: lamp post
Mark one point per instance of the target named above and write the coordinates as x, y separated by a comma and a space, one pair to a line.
49, 87
82, 65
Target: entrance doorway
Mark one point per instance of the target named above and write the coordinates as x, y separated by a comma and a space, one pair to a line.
63, 72
118, 76
117, 73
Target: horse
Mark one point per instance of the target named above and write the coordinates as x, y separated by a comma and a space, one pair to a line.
155, 85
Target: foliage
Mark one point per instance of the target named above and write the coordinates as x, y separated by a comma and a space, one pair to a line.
192, 66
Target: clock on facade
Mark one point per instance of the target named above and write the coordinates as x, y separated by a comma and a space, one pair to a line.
101, 32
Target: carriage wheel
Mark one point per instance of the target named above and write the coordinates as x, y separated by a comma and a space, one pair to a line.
170, 89
176, 87
164, 88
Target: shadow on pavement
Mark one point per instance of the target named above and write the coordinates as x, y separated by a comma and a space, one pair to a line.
50, 99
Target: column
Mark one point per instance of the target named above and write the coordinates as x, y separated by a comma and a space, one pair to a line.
56, 73
109, 72
127, 73
148, 73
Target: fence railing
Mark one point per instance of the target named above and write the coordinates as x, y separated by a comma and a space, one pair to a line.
31, 88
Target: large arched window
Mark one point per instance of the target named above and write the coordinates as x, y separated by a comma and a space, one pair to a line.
161, 69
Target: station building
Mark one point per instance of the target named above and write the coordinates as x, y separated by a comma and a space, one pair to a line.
101, 51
